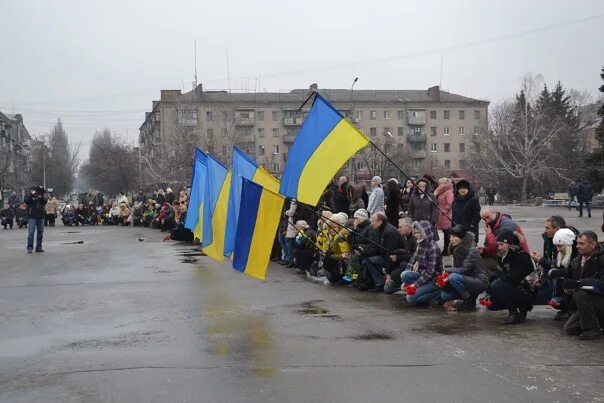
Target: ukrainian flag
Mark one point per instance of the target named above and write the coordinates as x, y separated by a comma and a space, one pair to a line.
243, 167
258, 221
198, 181
323, 145
218, 182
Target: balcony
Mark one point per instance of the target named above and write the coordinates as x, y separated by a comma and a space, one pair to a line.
418, 154
245, 121
247, 139
417, 138
289, 138
292, 121
416, 117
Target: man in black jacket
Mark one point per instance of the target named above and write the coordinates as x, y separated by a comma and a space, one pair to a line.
514, 264
585, 283
400, 256
376, 258
35, 200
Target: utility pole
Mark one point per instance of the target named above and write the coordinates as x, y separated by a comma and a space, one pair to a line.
353, 159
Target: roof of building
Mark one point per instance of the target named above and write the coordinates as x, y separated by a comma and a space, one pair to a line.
7, 117
333, 95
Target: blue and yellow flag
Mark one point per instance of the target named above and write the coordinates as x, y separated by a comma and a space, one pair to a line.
198, 182
322, 146
218, 182
243, 167
259, 217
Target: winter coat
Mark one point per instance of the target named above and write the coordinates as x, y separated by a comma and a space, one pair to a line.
584, 191
393, 203
467, 260
326, 202
35, 205
363, 235
51, 206
170, 197
421, 207
159, 199
550, 252
404, 251
444, 200
306, 239
388, 238
100, 199
572, 190
466, 211
376, 200
334, 246
502, 223
341, 199
405, 196
515, 265
427, 255
7, 214
291, 231
13, 201
21, 214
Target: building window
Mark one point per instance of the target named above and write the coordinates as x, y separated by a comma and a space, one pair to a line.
476, 115
372, 115
448, 164
447, 147
209, 116
276, 132
360, 166
373, 131
276, 167
433, 147
447, 114
260, 132
276, 149
462, 130
260, 115
462, 147
432, 114
477, 147
400, 131
387, 131
462, 115
416, 131
476, 129
261, 150
446, 131
400, 115
433, 131
275, 116
462, 164
359, 115
210, 133
386, 114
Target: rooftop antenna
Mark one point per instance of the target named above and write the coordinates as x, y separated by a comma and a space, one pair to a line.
195, 55
441, 72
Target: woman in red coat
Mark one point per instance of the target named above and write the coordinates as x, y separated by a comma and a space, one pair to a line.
444, 200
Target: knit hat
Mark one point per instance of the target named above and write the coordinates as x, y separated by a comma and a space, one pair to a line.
564, 236
459, 231
508, 237
303, 224
361, 213
377, 180
339, 219
463, 184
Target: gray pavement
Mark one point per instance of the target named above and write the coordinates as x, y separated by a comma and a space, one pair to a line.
124, 317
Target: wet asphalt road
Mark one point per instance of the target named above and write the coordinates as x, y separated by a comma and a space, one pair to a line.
119, 319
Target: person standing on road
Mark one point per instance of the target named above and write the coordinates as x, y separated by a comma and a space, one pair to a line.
376, 198
572, 194
36, 202
51, 211
584, 193
466, 208
491, 193
444, 200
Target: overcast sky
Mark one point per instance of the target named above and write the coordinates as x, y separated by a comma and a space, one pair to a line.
100, 64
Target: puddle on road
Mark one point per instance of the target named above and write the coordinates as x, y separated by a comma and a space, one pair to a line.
189, 260
74, 232
311, 309
74, 243
374, 336
447, 329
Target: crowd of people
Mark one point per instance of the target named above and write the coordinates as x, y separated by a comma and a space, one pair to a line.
387, 242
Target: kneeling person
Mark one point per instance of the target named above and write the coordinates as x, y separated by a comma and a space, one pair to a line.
425, 264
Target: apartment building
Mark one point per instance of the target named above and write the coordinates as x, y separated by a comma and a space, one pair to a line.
430, 128
15, 154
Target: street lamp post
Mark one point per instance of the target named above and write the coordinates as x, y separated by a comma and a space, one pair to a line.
353, 160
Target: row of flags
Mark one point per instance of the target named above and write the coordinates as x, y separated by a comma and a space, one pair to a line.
235, 213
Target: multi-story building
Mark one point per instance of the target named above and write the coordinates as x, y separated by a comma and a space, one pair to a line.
422, 129
15, 154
